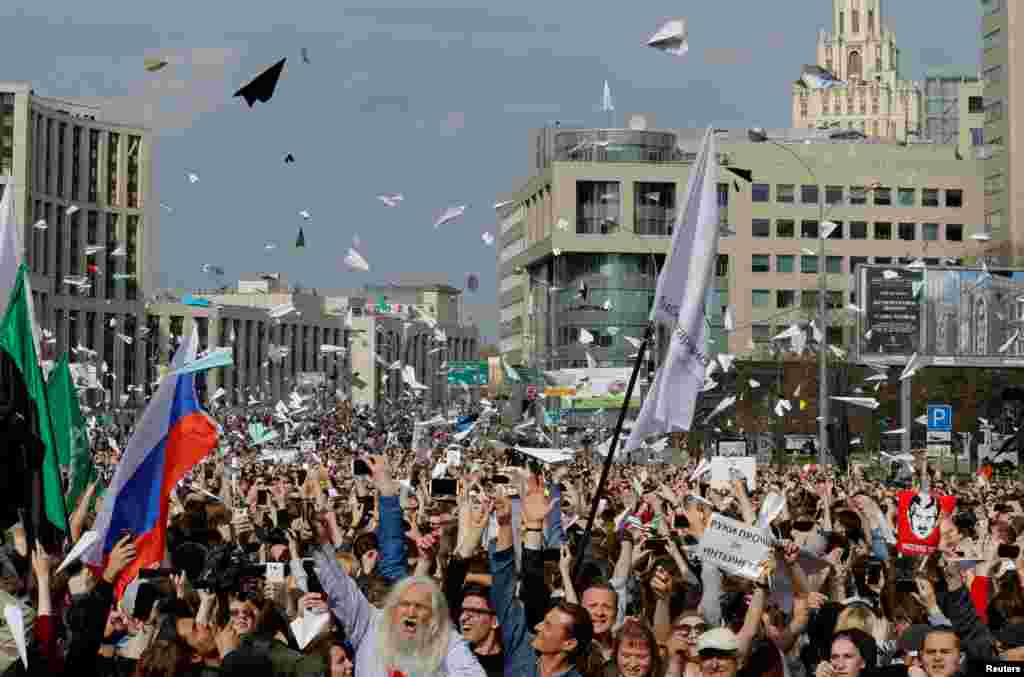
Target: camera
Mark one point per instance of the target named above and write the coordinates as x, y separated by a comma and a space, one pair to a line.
226, 568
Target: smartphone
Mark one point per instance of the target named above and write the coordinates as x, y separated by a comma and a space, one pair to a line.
1009, 551
360, 468
444, 487
262, 497
145, 598
312, 580
874, 572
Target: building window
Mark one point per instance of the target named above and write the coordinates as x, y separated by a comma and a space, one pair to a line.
907, 231
842, 22
954, 197
809, 229
833, 195
785, 228
929, 197
993, 111
131, 261
834, 265
785, 263
884, 260
134, 201
977, 137
858, 230
809, 299
94, 150
854, 72
761, 333
760, 192
906, 197
834, 299
113, 142
837, 232
954, 232
871, 21
597, 205
809, 264
760, 263
76, 159
856, 261
883, 231
854, 21
858, 195
61, 128
654, 207
761, 227
883, 197
930, 232
785, 193
809, 195
785, 298
722, 265
760, 298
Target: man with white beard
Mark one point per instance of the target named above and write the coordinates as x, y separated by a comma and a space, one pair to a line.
412, 634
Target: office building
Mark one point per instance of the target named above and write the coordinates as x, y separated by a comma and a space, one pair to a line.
861, 51
388, 326
1002, 60
239, 318
954, 110
599, 209
86, 204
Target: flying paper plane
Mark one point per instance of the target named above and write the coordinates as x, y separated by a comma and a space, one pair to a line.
671, 38
450, 215
354, 260
261, 88
867, 402
488, 239
391, 200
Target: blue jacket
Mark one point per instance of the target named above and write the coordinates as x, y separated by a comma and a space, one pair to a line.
520, 657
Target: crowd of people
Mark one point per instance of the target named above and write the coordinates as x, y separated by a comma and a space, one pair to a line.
367, 557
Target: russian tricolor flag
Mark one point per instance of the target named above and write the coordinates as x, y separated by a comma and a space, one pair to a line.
173, 435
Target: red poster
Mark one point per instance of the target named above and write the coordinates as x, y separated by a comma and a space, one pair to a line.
919, 517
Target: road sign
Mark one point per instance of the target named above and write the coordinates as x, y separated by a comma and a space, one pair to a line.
940, 417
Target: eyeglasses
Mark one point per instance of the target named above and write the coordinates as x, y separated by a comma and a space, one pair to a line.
688, 629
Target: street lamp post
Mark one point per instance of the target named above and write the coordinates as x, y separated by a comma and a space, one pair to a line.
758, 135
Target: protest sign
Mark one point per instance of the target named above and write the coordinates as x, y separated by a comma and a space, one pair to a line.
736, 548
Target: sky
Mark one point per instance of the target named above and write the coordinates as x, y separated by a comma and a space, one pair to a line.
428, 100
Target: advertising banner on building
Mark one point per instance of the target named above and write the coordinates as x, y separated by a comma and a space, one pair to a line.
949, 316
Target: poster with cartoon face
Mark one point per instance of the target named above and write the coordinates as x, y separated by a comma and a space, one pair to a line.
919, 518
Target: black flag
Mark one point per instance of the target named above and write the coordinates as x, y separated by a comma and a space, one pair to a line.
262, 86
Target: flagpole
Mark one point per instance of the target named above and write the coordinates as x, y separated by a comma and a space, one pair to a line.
585, 540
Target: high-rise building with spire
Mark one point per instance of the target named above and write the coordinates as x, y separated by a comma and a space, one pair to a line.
861, 52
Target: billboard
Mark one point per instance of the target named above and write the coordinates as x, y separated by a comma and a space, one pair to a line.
948, 316
472, 373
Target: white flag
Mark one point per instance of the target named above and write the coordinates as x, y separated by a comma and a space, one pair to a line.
681, 295
686, 271
606, 100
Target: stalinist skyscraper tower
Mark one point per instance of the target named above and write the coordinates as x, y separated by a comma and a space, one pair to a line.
860, 51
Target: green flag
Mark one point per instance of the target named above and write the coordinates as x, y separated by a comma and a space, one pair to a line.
17, 341
69, 431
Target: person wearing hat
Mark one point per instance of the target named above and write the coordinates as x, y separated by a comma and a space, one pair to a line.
719, 652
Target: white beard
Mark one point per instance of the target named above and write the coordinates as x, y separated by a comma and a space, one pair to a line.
421, 656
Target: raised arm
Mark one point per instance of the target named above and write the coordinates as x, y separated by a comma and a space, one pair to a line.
344, 598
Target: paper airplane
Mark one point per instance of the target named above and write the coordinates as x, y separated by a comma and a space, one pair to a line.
450, 215
911, 367
727, 320
867, 402
897, 431
219, 357
16, 627
562, 224
827, 228
85, 541
354, 260
1010, 341
671, 38
503, 203
40, 224
391, 200
71, 210
890, 274
281, 310
726, 360
722, 406
262, 87
586, 338
488, 239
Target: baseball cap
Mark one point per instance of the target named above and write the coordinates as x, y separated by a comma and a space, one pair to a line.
718, 641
